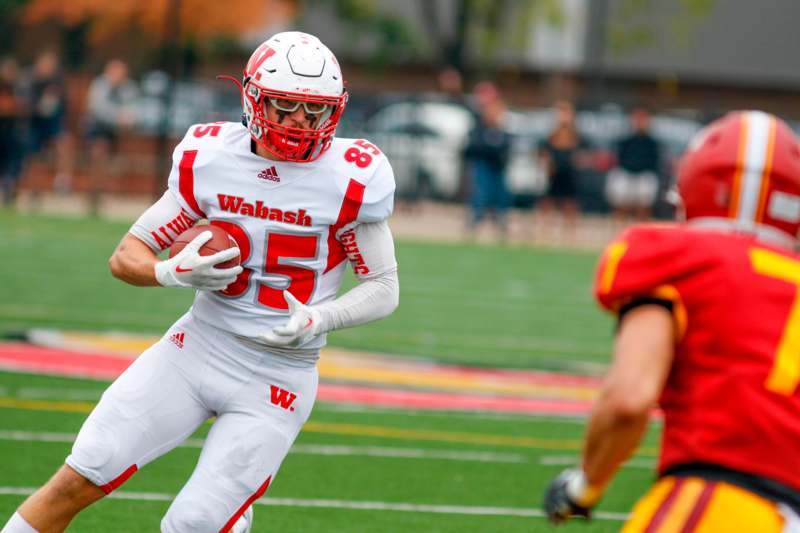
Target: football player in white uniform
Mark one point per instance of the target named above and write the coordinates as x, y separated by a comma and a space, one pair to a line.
299, 204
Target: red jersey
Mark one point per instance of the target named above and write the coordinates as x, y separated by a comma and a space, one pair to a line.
732, 397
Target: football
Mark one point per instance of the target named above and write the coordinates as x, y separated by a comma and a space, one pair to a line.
221, 240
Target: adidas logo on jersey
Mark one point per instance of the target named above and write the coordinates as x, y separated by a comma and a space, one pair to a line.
270, 174
177, 339
237, 204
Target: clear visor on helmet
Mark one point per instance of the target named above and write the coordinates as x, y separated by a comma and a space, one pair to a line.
290, 106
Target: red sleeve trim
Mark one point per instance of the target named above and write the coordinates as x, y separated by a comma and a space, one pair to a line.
115, 483
186, 181
351, 204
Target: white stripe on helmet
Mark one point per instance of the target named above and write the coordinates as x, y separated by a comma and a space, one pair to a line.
758, 125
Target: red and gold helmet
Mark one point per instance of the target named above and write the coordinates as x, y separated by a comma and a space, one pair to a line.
289, 70
745, 167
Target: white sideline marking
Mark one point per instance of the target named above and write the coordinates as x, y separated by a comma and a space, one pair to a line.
567, 460
349, 504
38, 393
313, 449
411, 453
481, 415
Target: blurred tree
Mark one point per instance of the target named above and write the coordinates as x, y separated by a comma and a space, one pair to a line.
631, 24
479, 28
390, 36
466, 34
9, 21
201, 19
166, 31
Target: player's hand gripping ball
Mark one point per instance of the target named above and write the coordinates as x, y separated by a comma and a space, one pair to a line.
204, 257
220, 240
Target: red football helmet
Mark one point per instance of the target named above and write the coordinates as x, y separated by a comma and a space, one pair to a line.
745, 167
289, 70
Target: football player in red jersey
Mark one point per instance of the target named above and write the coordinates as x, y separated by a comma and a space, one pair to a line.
709, 330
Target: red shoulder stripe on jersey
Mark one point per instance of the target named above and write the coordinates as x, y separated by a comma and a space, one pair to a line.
186, 181
256, 495
353, 198
115, 483
699, 507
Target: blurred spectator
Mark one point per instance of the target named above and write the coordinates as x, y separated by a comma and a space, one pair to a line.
562, 154
48, 108
12, 114
112, 96
449, 91
632, 186
451, 85
484, 94
486, 157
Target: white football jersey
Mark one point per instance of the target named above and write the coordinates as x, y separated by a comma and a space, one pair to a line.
286, 218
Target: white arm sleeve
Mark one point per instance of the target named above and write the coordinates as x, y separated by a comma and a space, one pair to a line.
162, 223
370, 248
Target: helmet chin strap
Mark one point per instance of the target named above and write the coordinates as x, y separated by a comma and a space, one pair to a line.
239, 85
234, 80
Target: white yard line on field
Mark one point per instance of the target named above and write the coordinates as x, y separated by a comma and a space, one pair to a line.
41, 393
315, 449
480, 415
352, 505
567, 460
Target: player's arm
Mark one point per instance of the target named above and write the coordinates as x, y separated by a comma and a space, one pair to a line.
135, 261
370, 248
643, 354
371, 252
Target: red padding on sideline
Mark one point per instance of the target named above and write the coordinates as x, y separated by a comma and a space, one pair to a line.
414, 399
22, 357
108, 488
256, 495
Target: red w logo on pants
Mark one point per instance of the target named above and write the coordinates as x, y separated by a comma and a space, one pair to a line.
281, 397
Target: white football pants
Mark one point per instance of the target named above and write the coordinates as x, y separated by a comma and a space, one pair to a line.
193, 373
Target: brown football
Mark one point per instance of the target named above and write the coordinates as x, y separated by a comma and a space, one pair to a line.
221, 240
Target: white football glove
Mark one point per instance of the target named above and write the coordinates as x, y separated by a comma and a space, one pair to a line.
190, 269
304, 324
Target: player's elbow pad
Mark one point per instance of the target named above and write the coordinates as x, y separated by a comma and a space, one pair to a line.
390, 293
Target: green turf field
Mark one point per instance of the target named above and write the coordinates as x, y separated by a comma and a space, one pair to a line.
490, 306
